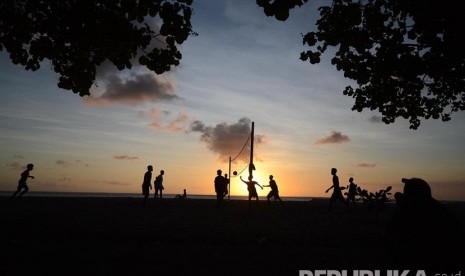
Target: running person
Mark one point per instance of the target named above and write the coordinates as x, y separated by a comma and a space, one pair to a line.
22, 185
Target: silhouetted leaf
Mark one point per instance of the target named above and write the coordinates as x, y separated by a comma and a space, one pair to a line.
406, 57
77, 36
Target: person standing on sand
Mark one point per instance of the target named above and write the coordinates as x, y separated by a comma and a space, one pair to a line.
22, 185
159, 185
219, 187
337, 192
225, 185
146, 185
352, 191
274, 190
251, 188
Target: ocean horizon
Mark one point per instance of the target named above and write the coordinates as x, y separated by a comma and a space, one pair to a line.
138, 195
172, 196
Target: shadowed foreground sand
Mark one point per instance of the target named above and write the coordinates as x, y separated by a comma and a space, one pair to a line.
110, 236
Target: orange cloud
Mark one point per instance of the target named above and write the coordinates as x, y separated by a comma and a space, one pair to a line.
125, 157
160, 120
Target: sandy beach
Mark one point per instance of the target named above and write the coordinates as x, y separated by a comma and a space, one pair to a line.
109, 236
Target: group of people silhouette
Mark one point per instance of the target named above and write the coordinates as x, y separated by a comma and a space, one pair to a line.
147, 184
417, 219
421, 230
337, 191
221, 186
222, 182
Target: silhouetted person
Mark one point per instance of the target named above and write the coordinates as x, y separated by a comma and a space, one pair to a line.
352, 191
422, 232
225, 185
219, 187
274, 190
22, 185
146, 185
183, 196
158, 183
251, 188
337, 192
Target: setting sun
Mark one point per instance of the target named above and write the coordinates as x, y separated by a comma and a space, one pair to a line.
240, 188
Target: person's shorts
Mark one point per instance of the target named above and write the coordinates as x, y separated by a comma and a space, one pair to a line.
145, 190
22, 185
253, 193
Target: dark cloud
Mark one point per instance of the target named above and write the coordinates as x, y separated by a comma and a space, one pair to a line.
116, 183
375, 119
17, 156
198, 126
228, 139
366, 165
62, 163
125, 157
333, 138
15, 166
139, 89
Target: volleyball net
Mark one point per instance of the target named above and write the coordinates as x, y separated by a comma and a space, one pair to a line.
243, 161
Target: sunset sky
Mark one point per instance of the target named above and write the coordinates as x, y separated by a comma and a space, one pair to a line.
242, 67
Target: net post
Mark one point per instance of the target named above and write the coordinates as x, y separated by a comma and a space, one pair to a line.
251, 165
229, 179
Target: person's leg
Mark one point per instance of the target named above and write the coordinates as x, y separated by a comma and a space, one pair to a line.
218, 199
146, 196
341, 197
26, 188
17, 191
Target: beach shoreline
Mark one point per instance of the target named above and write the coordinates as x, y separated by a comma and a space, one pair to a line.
95, 235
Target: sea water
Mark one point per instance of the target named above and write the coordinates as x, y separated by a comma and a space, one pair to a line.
137, 195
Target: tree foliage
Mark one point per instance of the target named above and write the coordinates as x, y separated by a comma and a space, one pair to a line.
77, 36
407, 57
